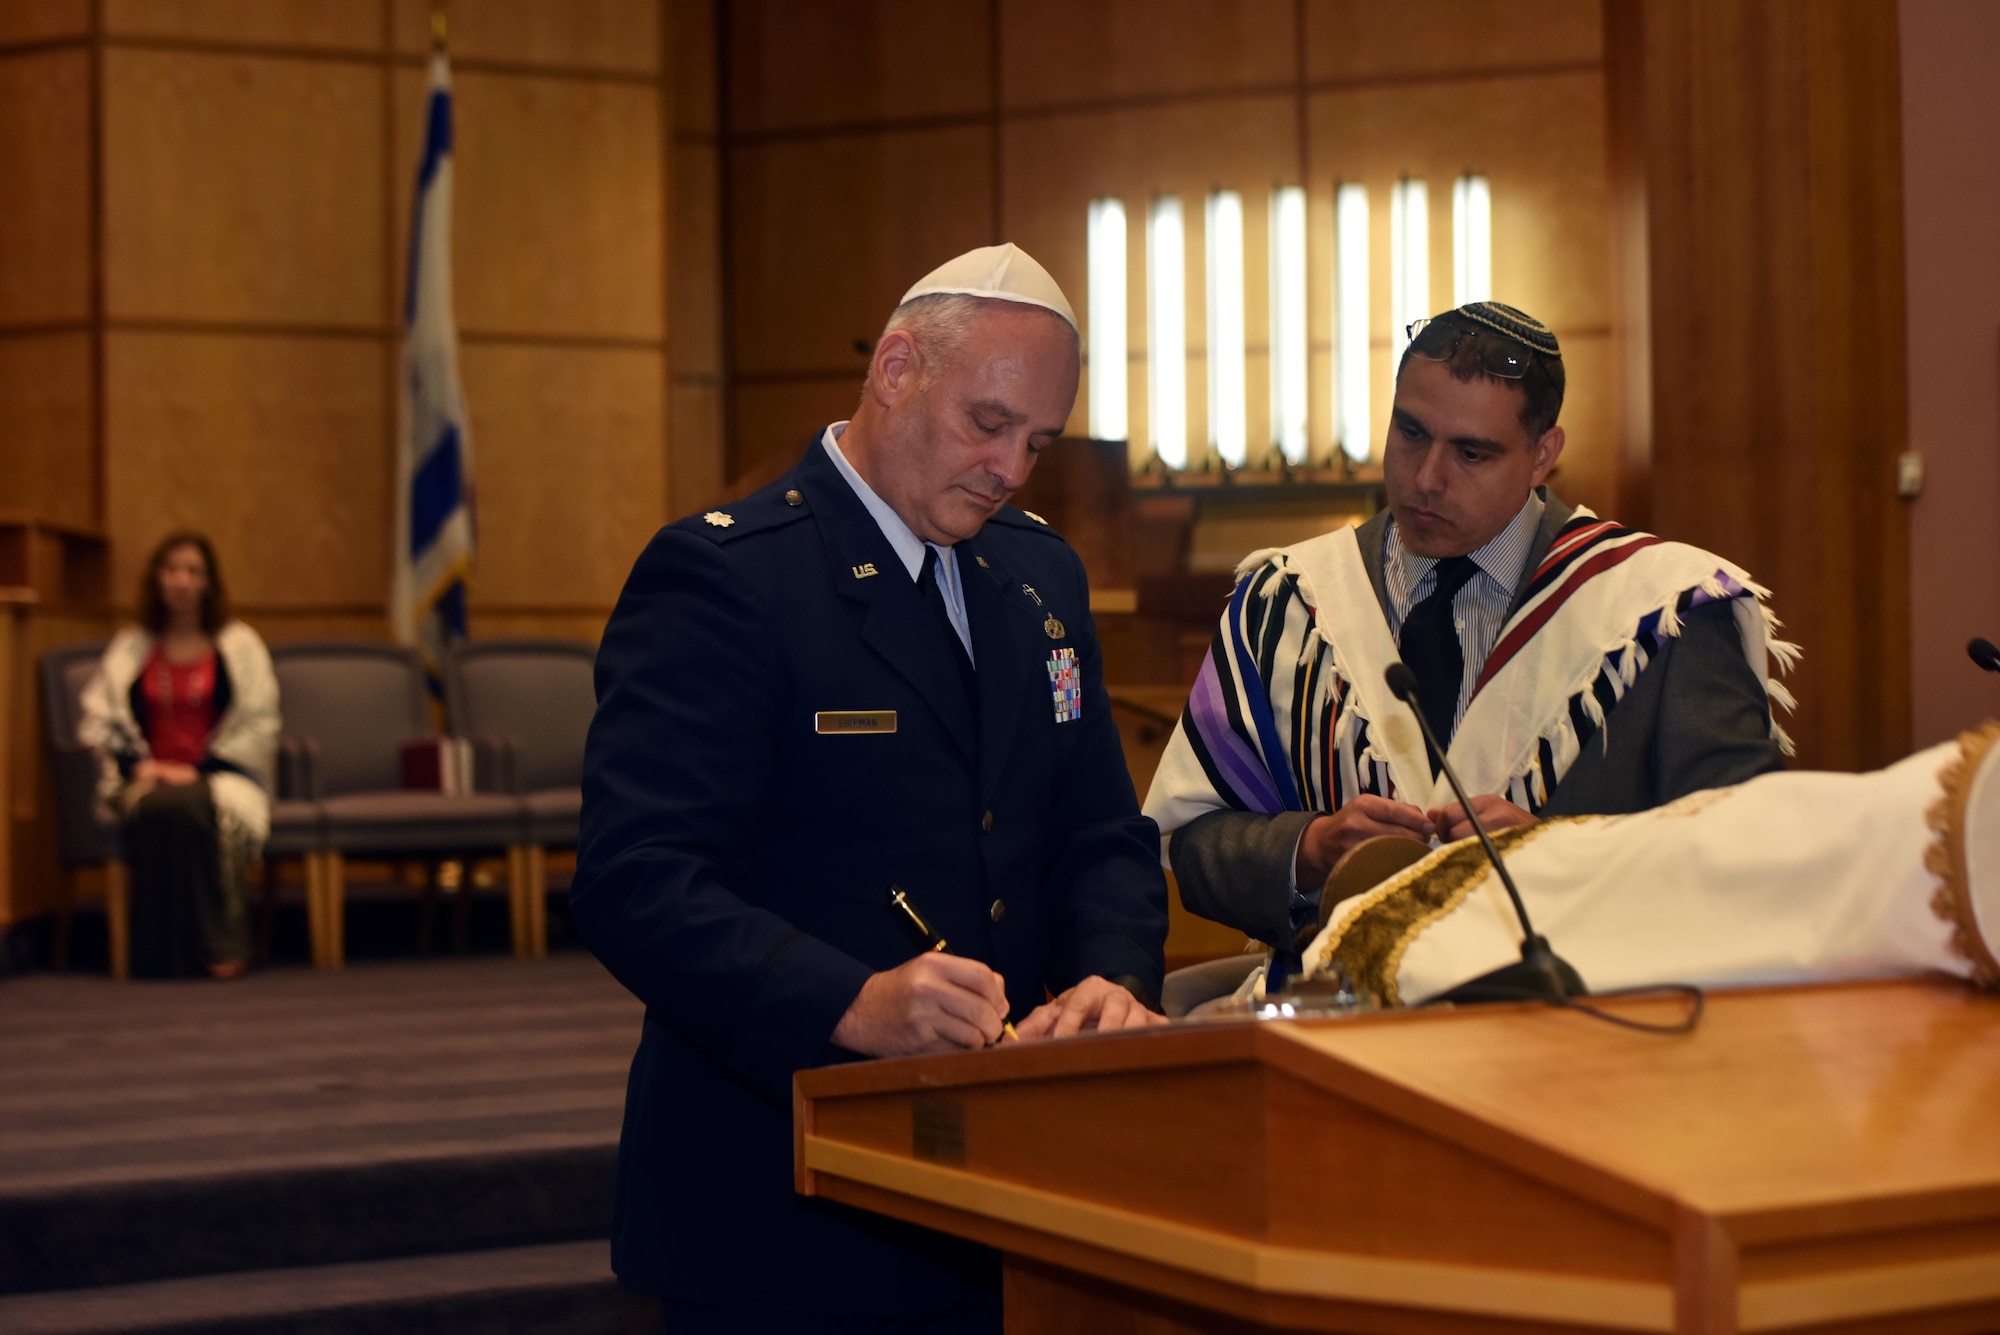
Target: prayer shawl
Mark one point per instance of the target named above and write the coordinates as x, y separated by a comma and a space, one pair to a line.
245, 738
1290, 711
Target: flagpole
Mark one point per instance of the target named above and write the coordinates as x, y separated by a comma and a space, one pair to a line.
437, 27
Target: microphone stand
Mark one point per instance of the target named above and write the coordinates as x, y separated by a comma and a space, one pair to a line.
1541, 971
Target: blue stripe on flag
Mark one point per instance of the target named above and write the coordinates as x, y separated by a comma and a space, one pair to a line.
451, 608
435, 491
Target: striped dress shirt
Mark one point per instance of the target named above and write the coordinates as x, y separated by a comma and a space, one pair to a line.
1481, 606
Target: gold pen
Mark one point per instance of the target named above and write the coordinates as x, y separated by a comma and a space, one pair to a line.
932, 941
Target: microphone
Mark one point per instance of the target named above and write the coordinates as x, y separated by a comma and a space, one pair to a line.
1985, 653
1541, 971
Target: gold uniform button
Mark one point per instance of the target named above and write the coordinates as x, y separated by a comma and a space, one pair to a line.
986, 821
998, 911
795, 497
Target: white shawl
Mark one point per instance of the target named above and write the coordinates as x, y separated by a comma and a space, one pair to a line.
246, 736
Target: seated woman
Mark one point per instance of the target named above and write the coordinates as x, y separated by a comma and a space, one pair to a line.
183, 712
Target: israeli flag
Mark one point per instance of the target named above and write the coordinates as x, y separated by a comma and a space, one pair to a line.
434, 528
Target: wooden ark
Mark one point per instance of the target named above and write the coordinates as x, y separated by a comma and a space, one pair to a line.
1810, 1159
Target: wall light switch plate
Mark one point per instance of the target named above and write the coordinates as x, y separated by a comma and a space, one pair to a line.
1909, 474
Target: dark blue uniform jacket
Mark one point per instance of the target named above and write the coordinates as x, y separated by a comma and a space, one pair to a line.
736, 861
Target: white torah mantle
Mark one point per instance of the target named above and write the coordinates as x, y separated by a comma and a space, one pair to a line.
1791, 877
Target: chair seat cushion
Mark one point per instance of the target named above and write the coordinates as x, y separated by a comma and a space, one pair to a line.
410, 822
555, 815
296, 828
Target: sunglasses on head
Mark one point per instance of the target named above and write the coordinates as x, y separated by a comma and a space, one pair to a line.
1499, 356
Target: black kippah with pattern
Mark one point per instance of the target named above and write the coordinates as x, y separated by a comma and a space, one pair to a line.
1517, 325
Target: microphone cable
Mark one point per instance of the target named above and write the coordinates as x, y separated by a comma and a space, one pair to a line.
1696, 998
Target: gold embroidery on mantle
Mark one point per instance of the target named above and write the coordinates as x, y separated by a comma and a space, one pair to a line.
1945, 858
1368, 947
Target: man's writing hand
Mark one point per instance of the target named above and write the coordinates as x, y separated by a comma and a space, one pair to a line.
1095, 1003
935, 1003
1366, 817
1497, 813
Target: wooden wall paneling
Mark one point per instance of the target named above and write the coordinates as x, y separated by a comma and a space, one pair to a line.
45, 187
26, 21
48, 468
1361, 40
693, 39
1540, 140
1053, 166
584, 625
696, 319
560, 203
1773, 195
242, 188
272, 445
1631, 282
830, 232
775, 421
695, 454
1589, 471
607, 36
1068, 52
571, 476
333, 25
797, 63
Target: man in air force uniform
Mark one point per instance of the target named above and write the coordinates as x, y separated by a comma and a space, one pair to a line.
872, 673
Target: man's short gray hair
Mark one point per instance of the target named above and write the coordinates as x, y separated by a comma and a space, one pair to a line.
940, 322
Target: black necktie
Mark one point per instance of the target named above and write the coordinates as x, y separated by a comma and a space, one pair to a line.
1431, 647
927, 581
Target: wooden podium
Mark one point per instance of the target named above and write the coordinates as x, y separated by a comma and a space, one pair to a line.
1812, 1158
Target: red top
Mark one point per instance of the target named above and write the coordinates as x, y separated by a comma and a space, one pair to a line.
180, 707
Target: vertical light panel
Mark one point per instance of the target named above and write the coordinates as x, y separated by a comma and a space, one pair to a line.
1166, 330
1350, 331
1409, 261
1471, 240
1288, 322
1108, 403
1228, 395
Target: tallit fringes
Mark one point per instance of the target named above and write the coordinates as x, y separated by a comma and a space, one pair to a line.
1945, 858
1784, 652
1781, 695
1260, 557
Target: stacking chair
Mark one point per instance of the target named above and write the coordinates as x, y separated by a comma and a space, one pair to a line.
84, 836
351, 706
529, 704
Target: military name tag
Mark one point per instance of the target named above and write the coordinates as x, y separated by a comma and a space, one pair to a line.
855, 720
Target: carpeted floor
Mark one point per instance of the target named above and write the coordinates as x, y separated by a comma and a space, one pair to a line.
282, 1153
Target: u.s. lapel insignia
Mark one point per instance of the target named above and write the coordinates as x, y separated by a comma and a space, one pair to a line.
1065, 684
1053, 627
719, 519
865, 570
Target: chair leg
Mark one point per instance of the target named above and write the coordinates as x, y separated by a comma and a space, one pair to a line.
118, 917
427, 911
329, 948
538, 899
65, 909
267, 909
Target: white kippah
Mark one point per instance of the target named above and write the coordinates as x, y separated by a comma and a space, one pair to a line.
1004, 273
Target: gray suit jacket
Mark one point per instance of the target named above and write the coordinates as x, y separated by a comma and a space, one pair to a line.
1696, 718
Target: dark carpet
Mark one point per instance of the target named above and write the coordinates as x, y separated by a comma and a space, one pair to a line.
396, 1147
